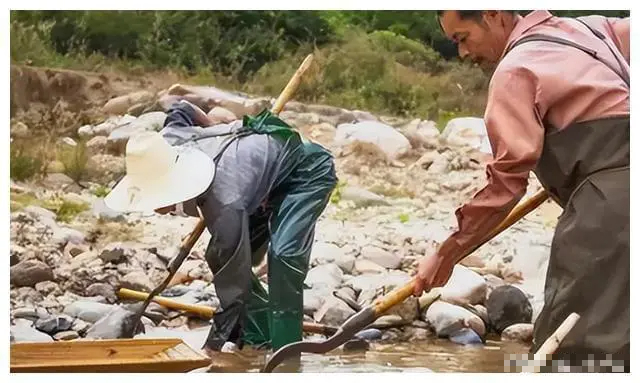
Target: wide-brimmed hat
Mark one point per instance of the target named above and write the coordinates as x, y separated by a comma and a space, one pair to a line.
159, 175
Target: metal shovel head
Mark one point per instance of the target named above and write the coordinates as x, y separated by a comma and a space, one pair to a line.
346, 332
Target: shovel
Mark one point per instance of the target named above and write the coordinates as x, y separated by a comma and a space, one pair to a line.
206, 312
370, 313
192, 238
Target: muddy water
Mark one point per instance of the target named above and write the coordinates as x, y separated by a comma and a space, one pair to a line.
425, 356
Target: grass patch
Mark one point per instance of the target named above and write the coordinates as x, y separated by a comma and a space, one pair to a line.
101, 191
404, 217
336, 194
65, 210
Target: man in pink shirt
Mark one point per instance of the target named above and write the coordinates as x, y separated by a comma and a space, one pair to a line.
558, 105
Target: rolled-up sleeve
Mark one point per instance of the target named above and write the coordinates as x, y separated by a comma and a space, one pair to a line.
516, 135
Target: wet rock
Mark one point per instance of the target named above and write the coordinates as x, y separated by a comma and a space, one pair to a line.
355, 345
519, 332
464, 286
508, 305
48, 287
369, 334
137, 280
467, 131
88, 311
481, 311
334, 312
23, 333
465, 336
492, 282
387, 321
104, 290
362, 197
388, 139
29, 273
392, 335
327, 276
57, 181
113, 325
420, 324
447, 318
380, 257
417, 333
66, 335
364, 266
54, 324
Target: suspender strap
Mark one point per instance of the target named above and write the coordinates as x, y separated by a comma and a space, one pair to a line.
541, 37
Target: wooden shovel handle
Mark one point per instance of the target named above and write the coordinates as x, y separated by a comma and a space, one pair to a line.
399, 295
292, 85
203, 311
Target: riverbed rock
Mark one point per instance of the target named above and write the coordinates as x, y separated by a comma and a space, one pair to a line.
361, 197
380, 257
365, 266
465, 336
464, 287
81, 327
388, 139
327, 276
369, 334
219, 115
137, 280
29, 273
119, 105
447, 318
334, 312
48, 287
114, 252
57, 181
508, 305
66, 335
467, 131
104, 290
328, 253
387, 321
313, 299
118, 138
54, 324
87, 310
519, 332
112, 325
23, 333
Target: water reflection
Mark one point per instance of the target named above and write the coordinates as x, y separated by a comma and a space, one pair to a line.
435, 355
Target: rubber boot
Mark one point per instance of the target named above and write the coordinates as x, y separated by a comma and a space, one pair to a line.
286, 283
256, 332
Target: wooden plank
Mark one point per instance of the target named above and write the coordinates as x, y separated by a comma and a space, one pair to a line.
45, 353
132, 355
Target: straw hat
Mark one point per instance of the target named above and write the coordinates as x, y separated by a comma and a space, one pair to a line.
159, 175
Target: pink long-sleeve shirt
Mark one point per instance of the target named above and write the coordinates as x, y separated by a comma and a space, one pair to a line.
536, 81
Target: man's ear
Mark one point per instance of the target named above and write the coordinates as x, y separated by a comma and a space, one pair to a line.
489, 16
